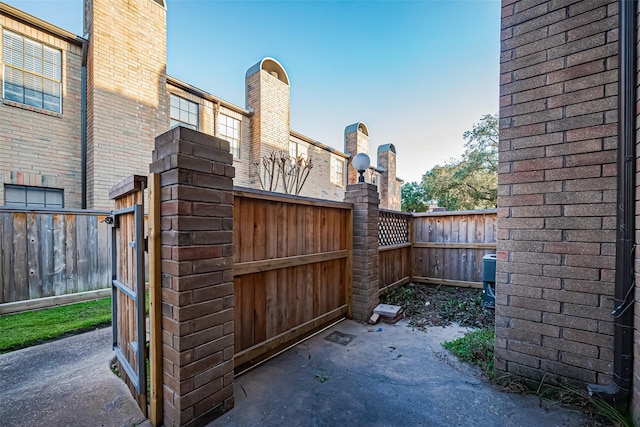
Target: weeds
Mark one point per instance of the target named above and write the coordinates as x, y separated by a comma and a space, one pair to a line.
602, 413
405, 297
322, 378
476, 348
426, 305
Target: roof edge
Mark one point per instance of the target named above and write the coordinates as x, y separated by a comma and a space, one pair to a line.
40, 24
318, 144
206, 95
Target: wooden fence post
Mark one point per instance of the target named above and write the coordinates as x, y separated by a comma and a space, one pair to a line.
366, 217
155, 302
196, 175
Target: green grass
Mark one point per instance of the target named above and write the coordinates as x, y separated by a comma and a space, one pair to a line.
476, 348
29, 328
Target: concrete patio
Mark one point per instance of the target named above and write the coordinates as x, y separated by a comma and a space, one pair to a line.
395, 376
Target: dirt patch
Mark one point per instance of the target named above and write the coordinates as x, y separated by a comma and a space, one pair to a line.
427, 305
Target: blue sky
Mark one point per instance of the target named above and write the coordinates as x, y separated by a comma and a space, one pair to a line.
418, 73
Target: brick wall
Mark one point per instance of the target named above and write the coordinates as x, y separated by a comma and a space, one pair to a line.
126, 91
38, 147
557, 190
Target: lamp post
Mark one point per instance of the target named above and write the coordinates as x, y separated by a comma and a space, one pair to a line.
360, 163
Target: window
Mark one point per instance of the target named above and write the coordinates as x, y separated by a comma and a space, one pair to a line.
183, 113
298, 149
32, 73
229, 129
337, 171
33, 197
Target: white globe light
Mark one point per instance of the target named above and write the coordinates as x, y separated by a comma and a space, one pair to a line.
361, 163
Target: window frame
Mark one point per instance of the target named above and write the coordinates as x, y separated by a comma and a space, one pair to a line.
178, 121
50, 83
234, 143
337, 176
298, 149
27, 188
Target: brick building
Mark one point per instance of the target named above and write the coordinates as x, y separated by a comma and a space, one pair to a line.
79, 114
565, 271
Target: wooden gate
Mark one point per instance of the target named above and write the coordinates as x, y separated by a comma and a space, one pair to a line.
292, 270
128, 285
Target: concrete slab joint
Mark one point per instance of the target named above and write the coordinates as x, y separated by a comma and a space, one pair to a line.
196, 175
366, 205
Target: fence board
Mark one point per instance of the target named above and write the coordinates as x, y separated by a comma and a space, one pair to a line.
237, 234
463, 259
21, 262
281, 309
272, 305
92, 232
259, 233
82, 254
260, 309
46, 254
7, 262
104, 251
33, 251
59, 255
71, 257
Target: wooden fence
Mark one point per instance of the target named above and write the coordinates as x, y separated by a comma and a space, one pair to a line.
49, 253
292, 268
300, 242
441, 248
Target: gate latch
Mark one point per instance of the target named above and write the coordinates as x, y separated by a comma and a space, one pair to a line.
111, 219
145, 244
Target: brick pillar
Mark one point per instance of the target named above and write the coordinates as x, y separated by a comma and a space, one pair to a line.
197, 274
366, 217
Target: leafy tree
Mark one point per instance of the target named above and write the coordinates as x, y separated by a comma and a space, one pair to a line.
471, 181
414, 197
